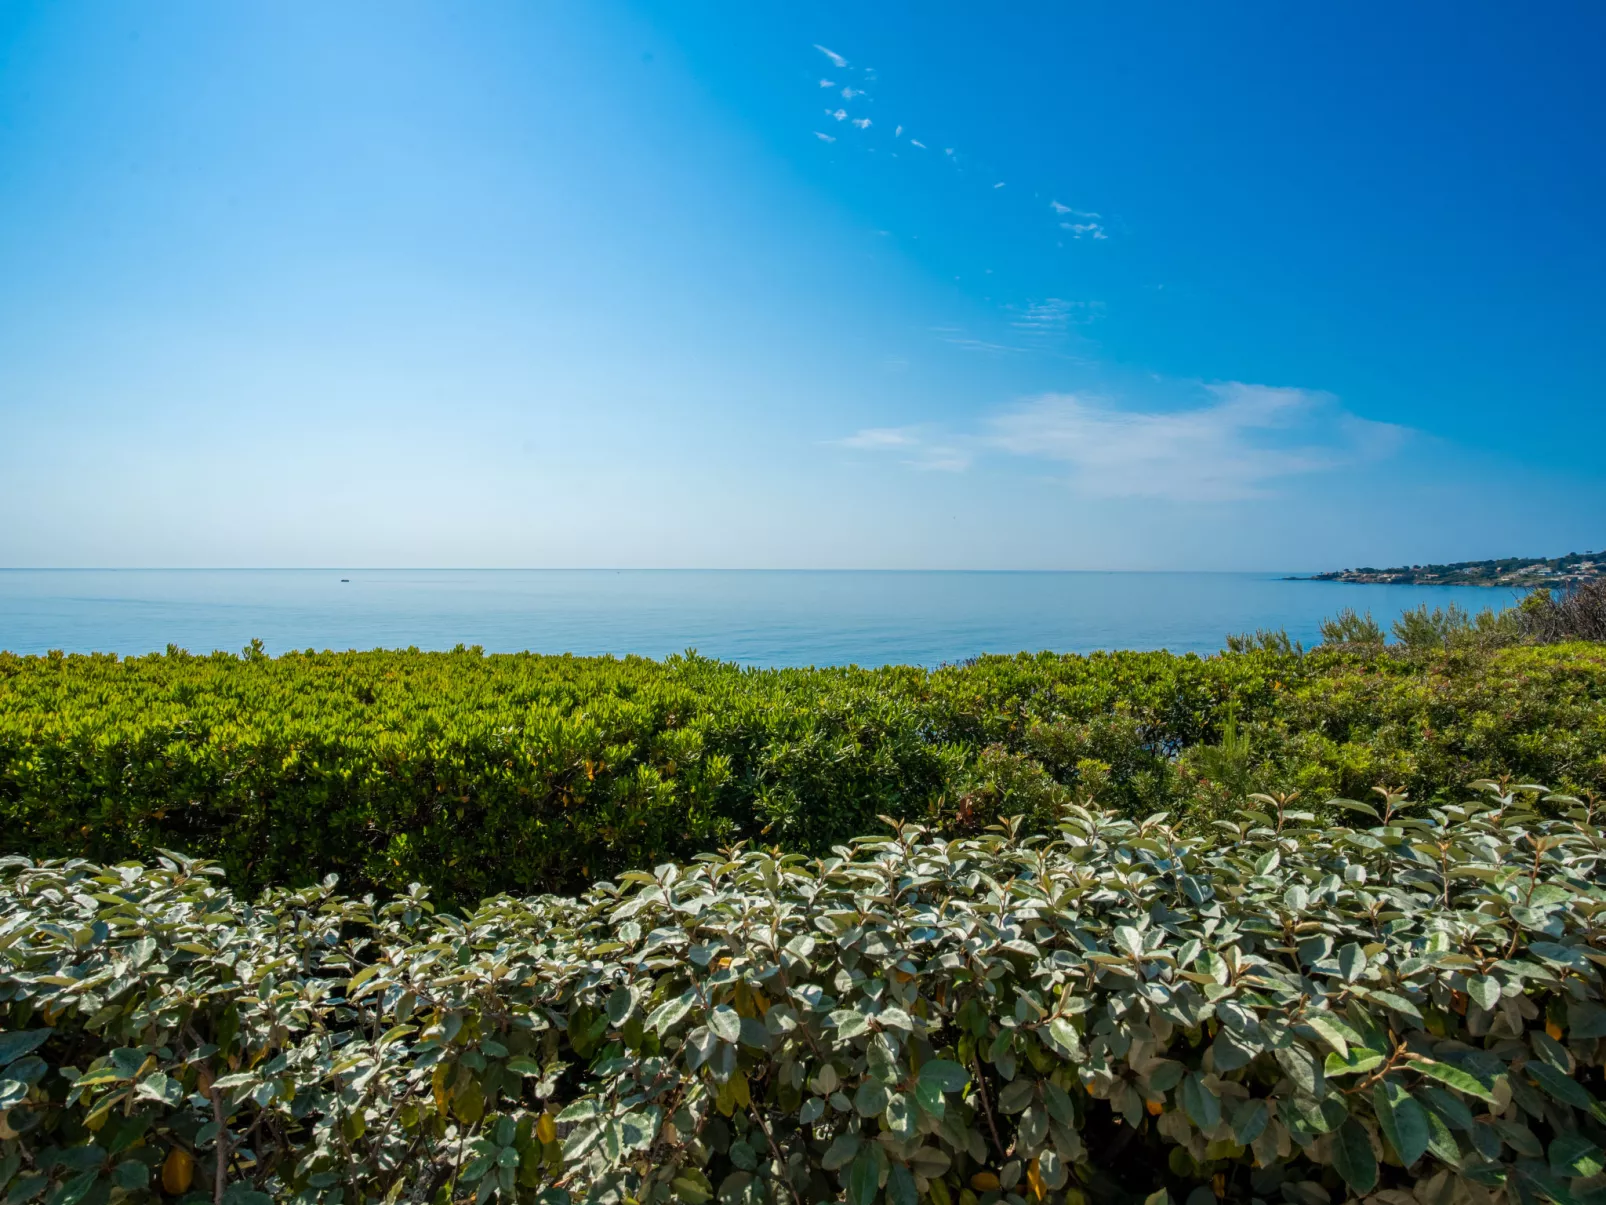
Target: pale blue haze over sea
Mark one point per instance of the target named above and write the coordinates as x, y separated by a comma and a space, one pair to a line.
758, 617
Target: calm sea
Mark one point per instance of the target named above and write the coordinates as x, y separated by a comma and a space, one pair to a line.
758, 617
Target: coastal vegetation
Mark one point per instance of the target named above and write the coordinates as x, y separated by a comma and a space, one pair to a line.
476, 774
1405, 1009
1035, 930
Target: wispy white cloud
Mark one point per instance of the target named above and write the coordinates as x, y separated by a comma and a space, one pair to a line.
1245, 438
1053, 315
1066, 210
824, 137
914, 447
1079, 229
880, 439
1079, 224
958, 337
1238, 445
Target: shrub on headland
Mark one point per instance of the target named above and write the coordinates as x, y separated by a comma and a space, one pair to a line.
479, 774
1407, 1012
1578, 614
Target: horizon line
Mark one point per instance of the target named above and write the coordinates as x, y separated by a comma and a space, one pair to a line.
593, 569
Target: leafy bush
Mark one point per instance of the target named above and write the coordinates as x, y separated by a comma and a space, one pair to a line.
1451, 627
1579, 614
1349, 629
476, 775
1408, 1012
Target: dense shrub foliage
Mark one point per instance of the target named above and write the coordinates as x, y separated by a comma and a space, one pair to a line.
1575, 614
1408, 1011
478, 774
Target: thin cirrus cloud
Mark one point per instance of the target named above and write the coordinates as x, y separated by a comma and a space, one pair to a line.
1053, 315
854, 86
1090, 226
913, 446
1239, 445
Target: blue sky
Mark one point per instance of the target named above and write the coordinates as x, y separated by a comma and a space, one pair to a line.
1254, 286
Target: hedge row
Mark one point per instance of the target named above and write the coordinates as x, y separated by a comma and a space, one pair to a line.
475, 774
1407, 1012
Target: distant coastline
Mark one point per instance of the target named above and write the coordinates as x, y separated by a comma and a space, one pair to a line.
1574, 569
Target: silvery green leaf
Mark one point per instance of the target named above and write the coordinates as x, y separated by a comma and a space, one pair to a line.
896, 1018
18, 1042
1454, 1077
1059, 1103
722, 1062
1315, 949
900, 1117
1065, 1036
581, 1110
1403, 1121
1559, 1086
1164, 1074
1484, 990
863, 1179
726, 1023
1353, 1158
1357, 1059
1572, 1154
1230, 1051
1300, 1065
1397, 1002
870, 1098
1331, 1029
930, 1161
841, 1151
1202, 1106
1004, 1063
1585, 1019
1451, 1108
621, 1002
780, 1020
665, 1016
901, 1188
733, 1188
949, 1076
825, 1079
850, 1023
1032, 1128
1009, 1174
1016, 1095
1249, 1121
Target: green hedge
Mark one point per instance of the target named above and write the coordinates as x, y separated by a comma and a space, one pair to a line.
477, 774
1408, 1011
